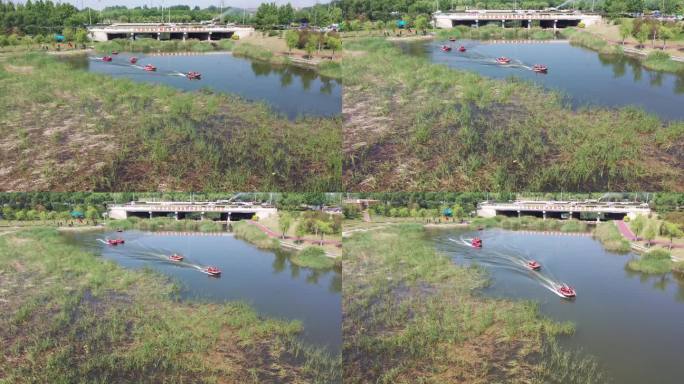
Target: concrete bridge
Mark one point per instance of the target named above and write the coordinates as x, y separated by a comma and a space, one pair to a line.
564, 210
525, 18
180, 210
167, 31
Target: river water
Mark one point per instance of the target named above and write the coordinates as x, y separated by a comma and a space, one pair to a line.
290, 90
267, 280
632, 323
583, 76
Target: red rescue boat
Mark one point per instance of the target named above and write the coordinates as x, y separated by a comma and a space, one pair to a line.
567, 291
503, 60
107, 58
461, 49
194, 75
212, 271
533, 265
539, 68
150, 68
133, 60
115, 241
176, 257
476, 243
445, 48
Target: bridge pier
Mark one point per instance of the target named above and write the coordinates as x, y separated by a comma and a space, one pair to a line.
529, 24
555, 26
503, 24
544, 215
185, 35
519, 214
176, 215
209, 37
158, 36
150, 214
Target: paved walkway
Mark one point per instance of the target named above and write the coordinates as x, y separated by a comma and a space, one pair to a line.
625, 231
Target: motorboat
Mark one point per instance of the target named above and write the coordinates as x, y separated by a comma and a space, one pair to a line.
194, 75
476, 243
533, 265
503, 60
567, 291
115, 241
212, 271
107, 58
539, 68
176, 257
133, 60
119, 230
445, 48
452, 39
461, 49
150, 68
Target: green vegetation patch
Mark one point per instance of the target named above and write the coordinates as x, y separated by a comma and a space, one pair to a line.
153, 45
415, 125
411, 312
250, 233
70, 316
75, 130
611, 238
166, 224
529, 223
657, 261
313, 257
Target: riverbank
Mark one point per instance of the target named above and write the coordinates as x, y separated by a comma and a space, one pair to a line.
153, 45
313, 255
653, 59
410, 312
68, 316
410, 124
169, 140
166, 224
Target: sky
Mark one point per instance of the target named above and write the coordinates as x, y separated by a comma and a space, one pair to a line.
99, 4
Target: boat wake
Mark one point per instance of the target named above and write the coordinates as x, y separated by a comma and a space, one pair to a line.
512, 260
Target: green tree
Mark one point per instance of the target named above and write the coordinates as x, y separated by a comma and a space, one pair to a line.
421, 23
291, 39
284, 222
637, 225
666, 33
310, 46
81, 36
671, 230
323, 228
650, 233
625, 31
335, 44
642, 36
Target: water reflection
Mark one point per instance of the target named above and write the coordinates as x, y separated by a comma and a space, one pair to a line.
312, 94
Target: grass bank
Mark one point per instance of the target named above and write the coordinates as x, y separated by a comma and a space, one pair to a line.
166, 224
492, 32
245, 231
411, 315
529, 223
655, 60
611, 238
71, 317
65, 129
414, 125
153, 45
657, 261
313, 257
